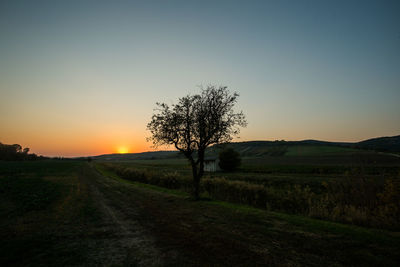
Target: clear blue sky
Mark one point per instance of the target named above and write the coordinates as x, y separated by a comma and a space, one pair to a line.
82, 77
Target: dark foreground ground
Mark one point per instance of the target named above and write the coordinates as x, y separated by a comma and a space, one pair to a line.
75, 213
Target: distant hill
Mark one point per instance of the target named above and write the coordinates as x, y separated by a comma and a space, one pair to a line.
143, 155
285, 148
277, 148
383, 144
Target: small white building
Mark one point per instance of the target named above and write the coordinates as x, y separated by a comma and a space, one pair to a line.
211, 165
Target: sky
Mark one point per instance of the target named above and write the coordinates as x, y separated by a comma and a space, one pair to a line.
82, 77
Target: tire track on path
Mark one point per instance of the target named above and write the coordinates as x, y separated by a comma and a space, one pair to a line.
126, 241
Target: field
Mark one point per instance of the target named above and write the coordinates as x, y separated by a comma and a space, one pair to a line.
304, 165
62, 212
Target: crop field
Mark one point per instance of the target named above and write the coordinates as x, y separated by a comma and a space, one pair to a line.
346, 190
325, 164
63, 212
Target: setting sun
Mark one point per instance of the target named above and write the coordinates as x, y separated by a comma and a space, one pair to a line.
122, 150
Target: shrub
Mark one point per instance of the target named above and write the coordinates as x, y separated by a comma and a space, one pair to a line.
229, 159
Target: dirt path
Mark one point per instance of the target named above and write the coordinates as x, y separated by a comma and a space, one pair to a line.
125, 241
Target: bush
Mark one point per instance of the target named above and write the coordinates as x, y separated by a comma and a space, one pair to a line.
229, 159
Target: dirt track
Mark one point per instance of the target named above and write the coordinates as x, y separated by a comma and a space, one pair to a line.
127, 242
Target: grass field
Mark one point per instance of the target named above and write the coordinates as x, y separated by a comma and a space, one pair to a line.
44, 209
354, 191
71, 213
319, 150
307, 165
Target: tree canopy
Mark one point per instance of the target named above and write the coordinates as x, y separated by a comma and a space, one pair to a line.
196, 122
15, 152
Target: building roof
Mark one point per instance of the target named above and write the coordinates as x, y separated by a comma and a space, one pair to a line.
210, 158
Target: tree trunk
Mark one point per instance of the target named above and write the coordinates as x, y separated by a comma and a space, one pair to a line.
200, 154
196, 184
196, 181
197, 174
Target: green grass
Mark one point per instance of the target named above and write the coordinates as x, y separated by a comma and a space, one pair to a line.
39, 168
302, 194
334, 243
114, 176
23, 186
64, 226
310, 150
41, 203
27, 194
262, 171
336, 161
360, 233
159, 163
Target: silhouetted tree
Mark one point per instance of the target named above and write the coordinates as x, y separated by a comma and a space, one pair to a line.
229, 159
17, 148
15, 152
196, 122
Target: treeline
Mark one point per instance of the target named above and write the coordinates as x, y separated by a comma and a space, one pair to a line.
16, 152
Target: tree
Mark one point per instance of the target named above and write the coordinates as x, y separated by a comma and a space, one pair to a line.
15, 152
229, 159
196, 122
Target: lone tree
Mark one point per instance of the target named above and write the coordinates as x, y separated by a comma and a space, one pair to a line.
196, 122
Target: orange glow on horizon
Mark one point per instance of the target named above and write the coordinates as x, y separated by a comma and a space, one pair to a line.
80, 141
122, 150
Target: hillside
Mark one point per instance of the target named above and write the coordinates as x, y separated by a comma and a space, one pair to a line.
384, 144
284, 148
279, 149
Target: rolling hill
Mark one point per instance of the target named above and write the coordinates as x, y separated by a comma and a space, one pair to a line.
143, 155
279, 148
384, 144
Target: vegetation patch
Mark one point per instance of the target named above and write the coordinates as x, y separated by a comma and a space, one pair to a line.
96, 219
354, 200
28, 194
44, 212
220, 233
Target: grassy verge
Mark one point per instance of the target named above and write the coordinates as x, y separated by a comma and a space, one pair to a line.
208, 230
360, 233
357, 200
113, 175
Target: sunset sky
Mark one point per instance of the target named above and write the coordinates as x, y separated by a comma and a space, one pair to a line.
82, 77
